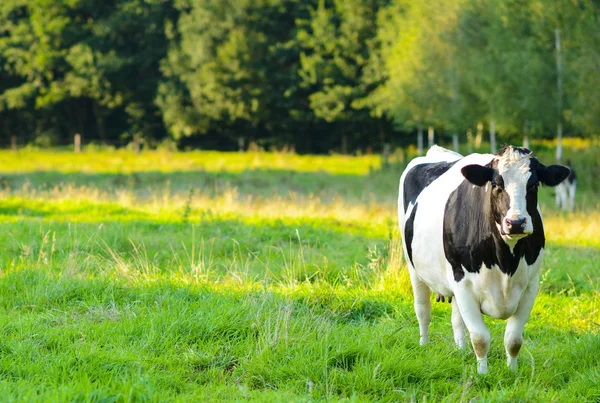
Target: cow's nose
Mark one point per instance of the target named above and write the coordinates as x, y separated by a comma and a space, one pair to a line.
515, 226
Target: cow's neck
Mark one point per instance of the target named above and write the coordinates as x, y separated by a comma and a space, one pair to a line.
509, 252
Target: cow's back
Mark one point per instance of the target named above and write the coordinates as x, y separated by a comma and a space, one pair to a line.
420, 173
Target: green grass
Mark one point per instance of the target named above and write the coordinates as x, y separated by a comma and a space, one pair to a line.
265, 277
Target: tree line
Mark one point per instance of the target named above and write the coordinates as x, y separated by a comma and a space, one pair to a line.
318, 75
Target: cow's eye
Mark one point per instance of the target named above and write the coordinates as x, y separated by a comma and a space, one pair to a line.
533, 188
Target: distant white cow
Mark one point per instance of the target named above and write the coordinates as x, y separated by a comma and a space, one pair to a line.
472, 229
565, 191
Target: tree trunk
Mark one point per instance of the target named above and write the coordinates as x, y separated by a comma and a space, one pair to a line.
420, 140
345, 144
455, 142
99, 122
137, 142
77, 143
559, 85
479, 135
80, 111
386, 155
430, 137
493, 136
559, 146
469, 141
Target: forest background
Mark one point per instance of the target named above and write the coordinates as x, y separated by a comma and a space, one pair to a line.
315, 76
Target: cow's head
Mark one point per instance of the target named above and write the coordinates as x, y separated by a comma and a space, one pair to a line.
511, 181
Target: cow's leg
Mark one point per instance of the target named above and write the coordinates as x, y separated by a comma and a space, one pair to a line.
572, 189
562, 197
421, 293
513, 338
458, 326
470, 311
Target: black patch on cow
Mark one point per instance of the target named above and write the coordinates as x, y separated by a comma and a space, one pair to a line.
421, 176
409, 232
572, 176
471, 237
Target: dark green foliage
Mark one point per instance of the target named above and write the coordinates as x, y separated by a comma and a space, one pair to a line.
318, 75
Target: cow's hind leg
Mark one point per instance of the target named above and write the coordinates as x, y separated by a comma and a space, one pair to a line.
513, 337
572, 189
421, 293
458, 326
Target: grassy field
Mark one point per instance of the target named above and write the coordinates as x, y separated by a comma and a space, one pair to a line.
207, 276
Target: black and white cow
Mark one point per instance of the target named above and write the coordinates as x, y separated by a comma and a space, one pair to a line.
472, 230
565, 191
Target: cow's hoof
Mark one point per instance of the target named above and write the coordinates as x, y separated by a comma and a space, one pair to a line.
482, 366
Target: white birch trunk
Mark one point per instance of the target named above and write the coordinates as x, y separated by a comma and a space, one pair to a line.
559, 147
493, 136
430, 137
479, 135
559, 84
455, 142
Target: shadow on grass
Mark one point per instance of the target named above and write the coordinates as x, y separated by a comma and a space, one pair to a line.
383, 184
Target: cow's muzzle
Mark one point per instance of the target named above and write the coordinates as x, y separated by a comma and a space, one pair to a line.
515, 226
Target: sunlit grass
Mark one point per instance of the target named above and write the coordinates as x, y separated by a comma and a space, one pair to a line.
126, 161
282, 283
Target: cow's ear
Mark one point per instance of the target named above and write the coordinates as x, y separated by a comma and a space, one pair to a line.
477, 174
552, 175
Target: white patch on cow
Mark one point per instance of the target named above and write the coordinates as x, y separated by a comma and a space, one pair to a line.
499, 294
427, 244
514, 168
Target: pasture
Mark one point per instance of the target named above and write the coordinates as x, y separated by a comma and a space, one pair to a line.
203, 276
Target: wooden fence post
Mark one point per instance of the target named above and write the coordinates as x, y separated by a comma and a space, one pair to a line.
78, 143
137, 143
430, 137
13, 143
386, 154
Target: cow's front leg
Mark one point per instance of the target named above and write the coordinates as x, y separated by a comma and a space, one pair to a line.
513, 338
470, 310
458, 326
421, 294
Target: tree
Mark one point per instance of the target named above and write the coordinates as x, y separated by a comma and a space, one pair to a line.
231, 69
340, 65
424, 79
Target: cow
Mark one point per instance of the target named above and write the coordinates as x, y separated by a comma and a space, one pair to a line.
565, 191
472, 230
